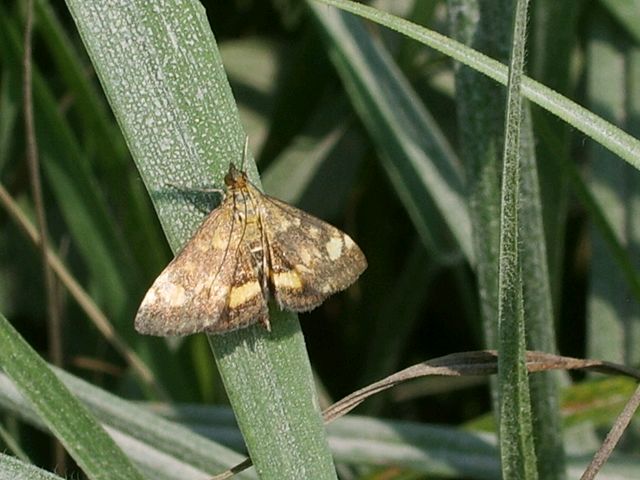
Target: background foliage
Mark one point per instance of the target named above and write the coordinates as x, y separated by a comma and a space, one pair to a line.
387, 139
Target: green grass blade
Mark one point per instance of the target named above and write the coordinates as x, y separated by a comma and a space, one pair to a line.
437, 451
73, 426
161, 71
14, 469
480, 105
12, 444
538, 305
516, 436
608, 135
534, 258
274, 387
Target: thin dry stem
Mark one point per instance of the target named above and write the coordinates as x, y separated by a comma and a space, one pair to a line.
483, 362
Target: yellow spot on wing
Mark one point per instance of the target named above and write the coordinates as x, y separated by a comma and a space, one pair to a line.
244, 293
334, 248
289, 279
172, 294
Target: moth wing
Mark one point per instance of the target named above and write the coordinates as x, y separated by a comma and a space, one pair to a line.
310, 259
192, 292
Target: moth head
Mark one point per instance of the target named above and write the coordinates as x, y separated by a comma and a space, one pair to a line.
234, 176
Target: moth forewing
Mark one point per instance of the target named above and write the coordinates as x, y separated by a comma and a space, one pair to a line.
310, 259
249, 248
191, 293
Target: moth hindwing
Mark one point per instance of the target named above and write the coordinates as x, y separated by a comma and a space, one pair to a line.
252, 247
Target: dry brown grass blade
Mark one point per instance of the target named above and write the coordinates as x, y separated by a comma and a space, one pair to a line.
481, 362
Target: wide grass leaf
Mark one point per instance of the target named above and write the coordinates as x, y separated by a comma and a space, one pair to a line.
161, 70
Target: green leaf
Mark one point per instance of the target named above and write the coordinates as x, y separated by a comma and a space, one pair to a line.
517, 450
85, 440
162, 73
481, 108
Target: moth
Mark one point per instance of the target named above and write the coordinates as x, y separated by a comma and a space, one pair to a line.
251, 248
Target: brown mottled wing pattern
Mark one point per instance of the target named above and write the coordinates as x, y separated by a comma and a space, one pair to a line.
192, 293
310, 259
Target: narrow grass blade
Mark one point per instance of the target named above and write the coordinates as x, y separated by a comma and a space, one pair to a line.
88, 444
481, 110
162, 73
517, 450
556, 35
538, 305
12, 444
